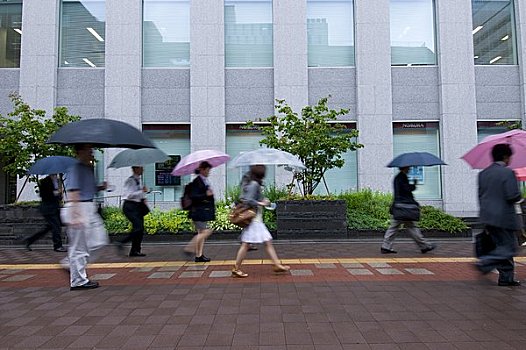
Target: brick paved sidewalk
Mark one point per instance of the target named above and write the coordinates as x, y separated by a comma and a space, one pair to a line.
342, 295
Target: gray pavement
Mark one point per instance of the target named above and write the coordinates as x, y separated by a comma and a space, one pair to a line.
339, 295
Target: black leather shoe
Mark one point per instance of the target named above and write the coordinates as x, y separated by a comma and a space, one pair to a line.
428, 249
87, 285
202, 258
137, 254
509, 284
60, 249
387, 251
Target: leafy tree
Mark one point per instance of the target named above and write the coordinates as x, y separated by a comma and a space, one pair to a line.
510, 125
24, 133
314, 136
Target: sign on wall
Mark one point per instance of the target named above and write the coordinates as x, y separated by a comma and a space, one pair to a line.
163, 176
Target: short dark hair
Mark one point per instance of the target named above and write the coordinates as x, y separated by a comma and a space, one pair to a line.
257, 173
203, 165
501, 151
81, 146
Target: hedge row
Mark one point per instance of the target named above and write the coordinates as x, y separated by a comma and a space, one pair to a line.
366, 210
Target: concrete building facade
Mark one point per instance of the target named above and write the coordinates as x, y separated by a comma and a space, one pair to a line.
205, 103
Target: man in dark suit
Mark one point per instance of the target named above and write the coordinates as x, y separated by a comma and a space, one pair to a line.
498, 192
403, 193
50, 209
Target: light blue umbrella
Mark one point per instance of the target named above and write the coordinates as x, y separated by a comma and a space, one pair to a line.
52, 165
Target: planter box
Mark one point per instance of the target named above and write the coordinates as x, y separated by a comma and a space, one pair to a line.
20, 221
184, 236
311, 219
370, 234
19, 213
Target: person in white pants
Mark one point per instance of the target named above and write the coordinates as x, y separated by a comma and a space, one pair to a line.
85, 228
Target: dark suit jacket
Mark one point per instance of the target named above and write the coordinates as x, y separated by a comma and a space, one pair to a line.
203, 206
403, 190
50, 203
498, 192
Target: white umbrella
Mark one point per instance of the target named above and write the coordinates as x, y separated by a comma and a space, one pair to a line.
267, 156
138, 157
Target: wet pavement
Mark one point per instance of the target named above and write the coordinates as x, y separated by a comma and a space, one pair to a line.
338, 295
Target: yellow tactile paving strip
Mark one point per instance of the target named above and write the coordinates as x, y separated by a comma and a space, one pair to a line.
251, 262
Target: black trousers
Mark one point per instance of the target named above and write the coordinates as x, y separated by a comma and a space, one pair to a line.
54, 225
501, 258
132, 211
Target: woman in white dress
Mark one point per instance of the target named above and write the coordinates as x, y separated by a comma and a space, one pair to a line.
256, 232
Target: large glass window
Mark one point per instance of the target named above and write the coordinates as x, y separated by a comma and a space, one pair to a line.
173, 140
330, 33
489, 128
344, 179
10, 33
248, 33
420, 137
82, 33
241, 139
412, 32
494, 32
166, 33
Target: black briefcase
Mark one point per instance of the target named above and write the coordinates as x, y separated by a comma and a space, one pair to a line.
483, 244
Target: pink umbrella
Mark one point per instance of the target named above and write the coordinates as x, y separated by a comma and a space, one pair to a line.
189, 163
520, 173
479, 157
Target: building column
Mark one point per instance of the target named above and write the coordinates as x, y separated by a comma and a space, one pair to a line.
123, 70
38, 63
374, 94
458, 108
207, 82
290, 52
291, 80
520, 19
39, 53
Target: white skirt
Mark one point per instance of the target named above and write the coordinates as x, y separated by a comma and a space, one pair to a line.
256, 232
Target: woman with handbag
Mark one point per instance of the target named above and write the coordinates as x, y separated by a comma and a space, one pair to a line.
201, 211
256, 231
404, 211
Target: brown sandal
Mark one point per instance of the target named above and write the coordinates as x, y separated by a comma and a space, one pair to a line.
280, 268
238, 273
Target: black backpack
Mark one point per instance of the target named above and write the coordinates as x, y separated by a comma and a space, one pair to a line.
186, 200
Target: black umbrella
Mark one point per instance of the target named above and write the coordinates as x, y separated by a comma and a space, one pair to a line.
415, 159
101, 133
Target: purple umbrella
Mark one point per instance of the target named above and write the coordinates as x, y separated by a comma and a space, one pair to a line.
479, 157
189, 163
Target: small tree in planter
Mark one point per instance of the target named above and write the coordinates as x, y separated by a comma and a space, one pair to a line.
314, 136
24, 133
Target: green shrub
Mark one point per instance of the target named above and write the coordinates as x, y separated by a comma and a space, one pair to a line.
221, 223
433, 218
115, 221
167, 221
366, 210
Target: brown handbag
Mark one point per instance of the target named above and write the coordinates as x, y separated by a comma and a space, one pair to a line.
242, 215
